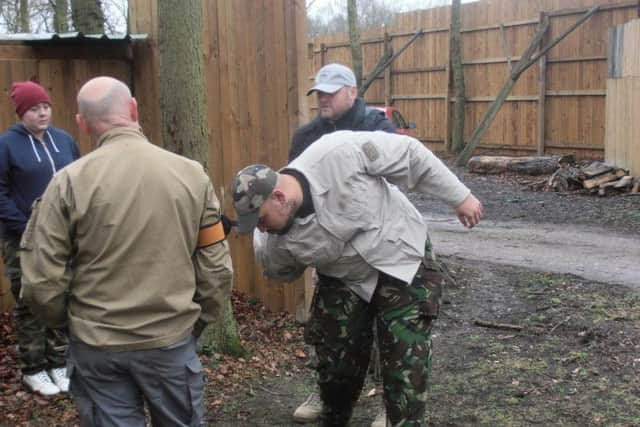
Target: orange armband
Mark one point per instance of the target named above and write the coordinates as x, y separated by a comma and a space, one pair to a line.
211, 234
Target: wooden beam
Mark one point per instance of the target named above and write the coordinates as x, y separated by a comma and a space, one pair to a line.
480, 61
419, 96
577, 59
497, 27
514, 98
500, 60
432, 69
574, 146
601, 8
506, 147
578, 92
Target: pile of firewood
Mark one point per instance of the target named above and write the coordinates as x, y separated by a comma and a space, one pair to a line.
566, 174
596, 177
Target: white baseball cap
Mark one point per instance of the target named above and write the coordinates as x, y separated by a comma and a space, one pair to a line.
333, 77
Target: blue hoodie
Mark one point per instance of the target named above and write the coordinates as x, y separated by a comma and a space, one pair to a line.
26, 167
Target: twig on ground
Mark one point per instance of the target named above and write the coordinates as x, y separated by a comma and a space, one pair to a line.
505, 326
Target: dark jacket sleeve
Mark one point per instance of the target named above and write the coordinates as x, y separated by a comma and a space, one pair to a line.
13, 220
298, 143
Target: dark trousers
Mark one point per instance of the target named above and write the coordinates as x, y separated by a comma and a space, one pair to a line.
341, 328
38, 347
111, 388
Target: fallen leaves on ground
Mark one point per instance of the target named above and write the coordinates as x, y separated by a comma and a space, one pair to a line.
273, 342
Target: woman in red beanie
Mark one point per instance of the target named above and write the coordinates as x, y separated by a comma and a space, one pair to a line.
31, 152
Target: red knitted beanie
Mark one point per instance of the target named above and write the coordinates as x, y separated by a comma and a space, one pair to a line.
27, 94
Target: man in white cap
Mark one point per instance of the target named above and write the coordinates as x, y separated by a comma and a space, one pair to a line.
339, 108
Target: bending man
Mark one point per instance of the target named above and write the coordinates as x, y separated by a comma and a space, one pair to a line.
333, 208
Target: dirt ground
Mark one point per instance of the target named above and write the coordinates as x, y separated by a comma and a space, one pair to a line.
569, 353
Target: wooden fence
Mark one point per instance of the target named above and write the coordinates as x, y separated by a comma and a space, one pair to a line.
253, 91
557, 106
622, 142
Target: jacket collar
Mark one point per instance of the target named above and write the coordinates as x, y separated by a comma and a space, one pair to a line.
350, 119
113, 134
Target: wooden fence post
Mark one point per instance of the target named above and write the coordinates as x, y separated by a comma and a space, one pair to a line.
542, 92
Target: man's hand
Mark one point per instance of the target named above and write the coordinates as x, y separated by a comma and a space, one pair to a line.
469, 211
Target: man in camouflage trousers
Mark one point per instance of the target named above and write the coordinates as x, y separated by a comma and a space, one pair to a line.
333, 208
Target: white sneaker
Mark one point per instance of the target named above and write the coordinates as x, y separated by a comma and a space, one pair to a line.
41, 383
59, 377
381, 420
310, 410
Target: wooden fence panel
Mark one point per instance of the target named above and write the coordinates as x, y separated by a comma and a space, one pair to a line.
622, 139
570, 110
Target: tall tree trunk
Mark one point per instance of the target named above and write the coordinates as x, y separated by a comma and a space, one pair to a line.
60, 16
24, 16
457, 131
184, 118
354, 39
88, 16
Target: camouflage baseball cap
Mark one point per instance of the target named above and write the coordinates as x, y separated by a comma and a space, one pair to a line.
252, 186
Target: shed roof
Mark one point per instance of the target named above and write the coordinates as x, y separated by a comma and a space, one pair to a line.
70, 36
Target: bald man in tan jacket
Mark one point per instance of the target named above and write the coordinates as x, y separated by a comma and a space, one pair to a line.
127, 248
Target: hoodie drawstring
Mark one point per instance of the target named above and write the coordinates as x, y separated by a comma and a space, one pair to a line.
46, 150
33, 146
55, 147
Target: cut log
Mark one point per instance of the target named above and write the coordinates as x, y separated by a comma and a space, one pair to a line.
521, 165
599, 180
565, 178
596, 168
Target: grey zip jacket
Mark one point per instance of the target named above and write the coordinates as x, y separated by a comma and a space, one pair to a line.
362, 224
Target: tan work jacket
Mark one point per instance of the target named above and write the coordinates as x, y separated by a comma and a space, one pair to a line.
112, 247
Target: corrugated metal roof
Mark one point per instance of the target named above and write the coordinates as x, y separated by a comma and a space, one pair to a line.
71, 36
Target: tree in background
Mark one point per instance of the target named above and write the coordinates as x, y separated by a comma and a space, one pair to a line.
457, 131
60, 16
184, 118
87, 16
55, 16
354, 40
332, 17
24, 16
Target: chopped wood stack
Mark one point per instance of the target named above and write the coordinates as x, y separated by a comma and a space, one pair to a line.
597, 177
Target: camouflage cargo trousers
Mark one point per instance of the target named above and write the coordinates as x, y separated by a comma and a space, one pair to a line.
39, 347
341, 329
